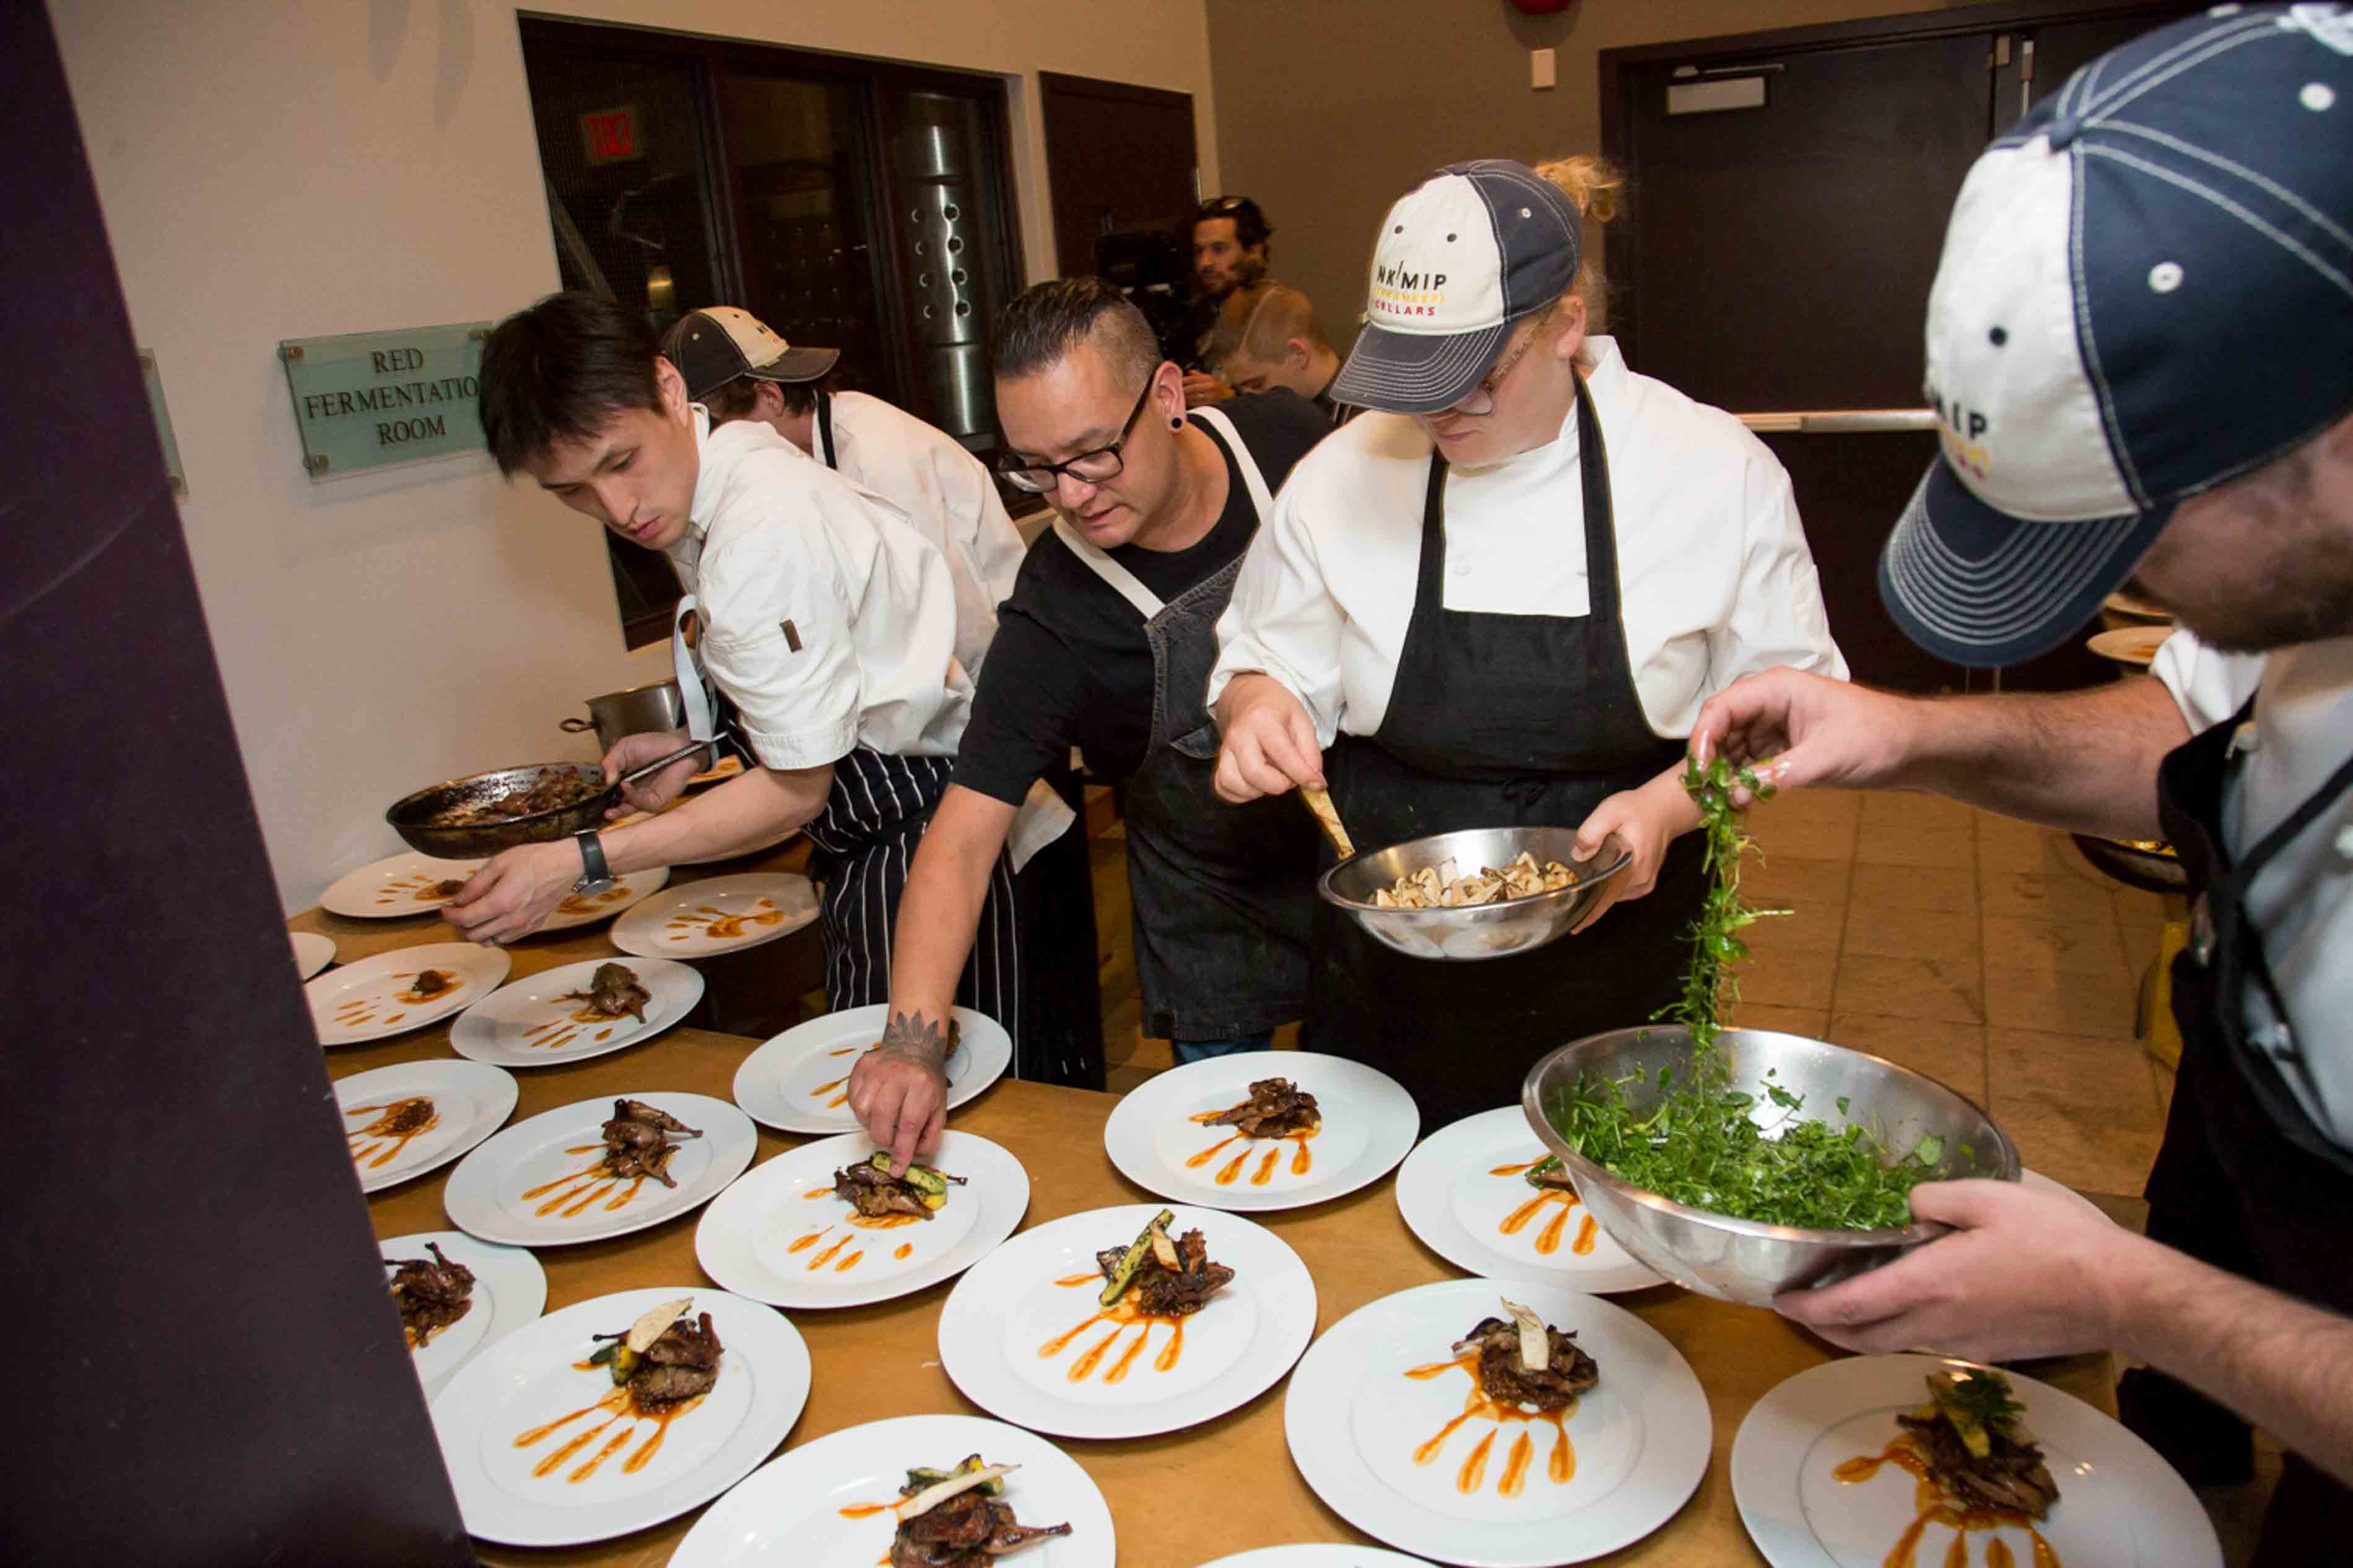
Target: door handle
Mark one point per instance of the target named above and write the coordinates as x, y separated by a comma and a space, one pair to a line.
1840, 421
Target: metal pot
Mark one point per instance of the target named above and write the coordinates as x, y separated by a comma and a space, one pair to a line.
655, 706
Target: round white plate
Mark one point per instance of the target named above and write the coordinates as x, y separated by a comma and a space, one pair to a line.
1010, 1308
400, 885
312, 952
530, 1025
789, 1511
2120, 1506
515, 1188
587, 908
798, 1081
363, 1000
509, 1289
780, 1236
528, 1379
2130, 645
469, 1103
747, 909
1462, 1188
1356, 1424
1155, 1138
1317, 1555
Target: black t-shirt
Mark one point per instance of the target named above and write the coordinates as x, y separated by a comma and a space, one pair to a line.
1071, 665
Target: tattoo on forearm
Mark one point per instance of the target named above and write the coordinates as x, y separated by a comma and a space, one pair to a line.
936, 1040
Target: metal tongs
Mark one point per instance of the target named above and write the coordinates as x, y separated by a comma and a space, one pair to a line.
613, 790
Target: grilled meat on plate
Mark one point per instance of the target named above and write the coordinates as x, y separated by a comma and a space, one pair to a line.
969, 1524
430, 1296
1276, 1109
614, 991
1504, 1347
636, 1139
678, 1367
1170, 1293
870, 1187
1976, 1446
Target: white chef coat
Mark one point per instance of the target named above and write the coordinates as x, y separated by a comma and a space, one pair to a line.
944, 491
2301, 903
1716, 581
779, 551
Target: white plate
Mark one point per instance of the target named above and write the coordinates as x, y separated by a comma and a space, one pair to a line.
1155, 1138
2130, 645
797, 1082
528, 1379
312, 952
2120, 1506
1317, 1556
761, 905
579, 910
780, 1236
363, 1000
726, 768
789, 1510
509, 1289
1462, 1187
1356, 1422
469, 1103
528, 1024
396, 887
1010, 1307
549, 1157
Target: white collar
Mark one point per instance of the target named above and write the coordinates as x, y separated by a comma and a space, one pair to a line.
716, 452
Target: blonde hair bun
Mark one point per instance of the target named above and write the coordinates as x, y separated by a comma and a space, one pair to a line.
1592, 182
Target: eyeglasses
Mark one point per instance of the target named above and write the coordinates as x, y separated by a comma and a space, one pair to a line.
1088, 468
1481, 399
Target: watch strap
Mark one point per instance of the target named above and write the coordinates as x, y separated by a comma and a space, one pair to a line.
596, 874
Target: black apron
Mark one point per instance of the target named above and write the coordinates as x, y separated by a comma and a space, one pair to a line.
2245, 1180
1493, 721
1224, 895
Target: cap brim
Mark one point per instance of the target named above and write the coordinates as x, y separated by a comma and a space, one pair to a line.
1413, 372
796, 364
1985, 589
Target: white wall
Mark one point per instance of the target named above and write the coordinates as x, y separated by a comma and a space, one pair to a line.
271, 169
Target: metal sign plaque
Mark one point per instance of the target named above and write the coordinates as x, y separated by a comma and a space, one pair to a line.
367, 399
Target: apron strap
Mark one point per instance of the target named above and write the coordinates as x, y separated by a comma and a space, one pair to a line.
2302, 817
825, 450
1122, 582
687, 666
1261, 499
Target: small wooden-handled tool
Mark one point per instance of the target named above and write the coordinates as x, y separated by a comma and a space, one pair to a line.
1319, 801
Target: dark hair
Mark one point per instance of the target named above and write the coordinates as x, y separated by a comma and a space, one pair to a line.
735, 399
1046, 322
559, 370
1249, 224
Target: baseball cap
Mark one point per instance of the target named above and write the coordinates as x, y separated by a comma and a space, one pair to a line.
1460, 257
2147, 290
712, 347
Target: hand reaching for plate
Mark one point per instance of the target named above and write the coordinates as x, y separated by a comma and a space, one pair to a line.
508, 898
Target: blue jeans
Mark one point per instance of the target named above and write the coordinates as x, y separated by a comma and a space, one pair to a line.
1188, 1051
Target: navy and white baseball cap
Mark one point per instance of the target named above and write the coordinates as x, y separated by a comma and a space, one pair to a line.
712, 347
1460, 257
2147, 290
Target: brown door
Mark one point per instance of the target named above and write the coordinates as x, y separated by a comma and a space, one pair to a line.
1789, 195
1121, 160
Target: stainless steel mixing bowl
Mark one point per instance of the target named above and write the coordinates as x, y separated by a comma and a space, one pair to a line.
1475, 930
1746, 1260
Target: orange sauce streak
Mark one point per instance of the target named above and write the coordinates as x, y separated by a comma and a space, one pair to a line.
1122, 1315
603, 1034
1203, 1158
1069, 1279
827, 1087
906, 1250
1585, 1228
1516, 1170
396, 1018
816, 1192
727, 928
1118, 1374
1474, 1467
1301, 1162
805, 1243
1166, 1360
1549, 1241
1935, 1508
864, 1509
1233, 1168
553, 1041
848, 1050
603, 1454
594, 1183
884, 1222
398, 1123
1515, 1472
847, 1262
1561, 1467
1083, 1368
837, 1102
822, 1258
1266, 1166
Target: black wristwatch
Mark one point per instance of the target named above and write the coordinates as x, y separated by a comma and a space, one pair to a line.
594, 875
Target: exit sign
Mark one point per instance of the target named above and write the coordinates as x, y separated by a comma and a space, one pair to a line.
610, 135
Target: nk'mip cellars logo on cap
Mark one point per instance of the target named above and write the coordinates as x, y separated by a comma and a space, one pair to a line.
1402, 291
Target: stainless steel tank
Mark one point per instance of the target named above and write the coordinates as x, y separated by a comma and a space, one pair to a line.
941, 243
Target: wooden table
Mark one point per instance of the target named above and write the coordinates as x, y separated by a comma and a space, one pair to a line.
870, 1362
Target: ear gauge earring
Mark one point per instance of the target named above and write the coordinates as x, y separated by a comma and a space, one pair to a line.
1177, 424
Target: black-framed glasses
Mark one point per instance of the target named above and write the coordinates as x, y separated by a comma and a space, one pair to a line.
1088, 468
1481, 399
